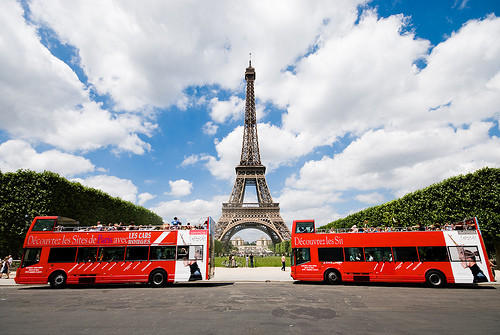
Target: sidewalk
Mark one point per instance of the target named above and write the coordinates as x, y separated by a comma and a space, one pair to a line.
251, 274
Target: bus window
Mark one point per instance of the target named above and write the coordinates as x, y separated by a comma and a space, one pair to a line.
196, 252
182, 252
354, 255
433, 254
31, 256
463, 254
88, 254
111, 254
62, 255
44, 225
161, 253
304, 227
330, 254
405, 254
303, 255
378, 254
137, 253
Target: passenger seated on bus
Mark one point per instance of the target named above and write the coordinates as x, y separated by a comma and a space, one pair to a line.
369, 258
354, 229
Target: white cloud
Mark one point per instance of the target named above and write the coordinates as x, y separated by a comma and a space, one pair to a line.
36, 86
17, 154
179, 188
114, 186
144, 197
209, 128
195, 211
146, 55
401, 161
232, 109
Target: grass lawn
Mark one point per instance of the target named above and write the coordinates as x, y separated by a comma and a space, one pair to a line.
257, 260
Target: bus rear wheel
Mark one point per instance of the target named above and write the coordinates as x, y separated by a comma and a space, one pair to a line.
332, 277
158, 278
57, 280
435, 278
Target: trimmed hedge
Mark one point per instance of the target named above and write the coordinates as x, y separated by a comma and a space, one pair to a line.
26, 194
475, 194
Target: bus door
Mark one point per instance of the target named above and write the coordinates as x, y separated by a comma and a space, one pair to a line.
406, 264
111, 264
31, 267
380, 263
355, 267
303, 267
86, 268
136, 262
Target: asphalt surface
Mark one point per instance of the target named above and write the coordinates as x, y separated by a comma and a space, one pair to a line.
250, 308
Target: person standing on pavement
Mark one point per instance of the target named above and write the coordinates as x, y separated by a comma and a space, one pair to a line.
283, 262
246, 260
5, 268
251, 260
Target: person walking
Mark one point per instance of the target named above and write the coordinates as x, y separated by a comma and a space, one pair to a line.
5, 268
283, 262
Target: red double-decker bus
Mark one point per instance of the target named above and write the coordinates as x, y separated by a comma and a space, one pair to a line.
59, 252
435, 257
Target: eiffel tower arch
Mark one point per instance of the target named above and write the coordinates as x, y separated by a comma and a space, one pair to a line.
238, 215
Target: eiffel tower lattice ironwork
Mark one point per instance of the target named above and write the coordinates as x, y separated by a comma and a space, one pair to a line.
236, 214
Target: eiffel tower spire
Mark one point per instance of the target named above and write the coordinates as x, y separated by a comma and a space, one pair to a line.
250, 155
236, 214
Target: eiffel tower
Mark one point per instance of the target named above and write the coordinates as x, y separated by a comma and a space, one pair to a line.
236, 214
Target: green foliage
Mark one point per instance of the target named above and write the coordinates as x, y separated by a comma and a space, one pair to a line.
284, 247
221, 248
26, 194
259, 261
475, 194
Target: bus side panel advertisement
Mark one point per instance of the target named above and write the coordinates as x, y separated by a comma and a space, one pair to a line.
466, 256
190, 264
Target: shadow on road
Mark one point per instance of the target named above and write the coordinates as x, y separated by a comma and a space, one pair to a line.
118, 286
415, 285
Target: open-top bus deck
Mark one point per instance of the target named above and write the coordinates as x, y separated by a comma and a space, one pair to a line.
58, 252
435, 257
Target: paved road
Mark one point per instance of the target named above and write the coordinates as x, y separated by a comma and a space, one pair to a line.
250, 308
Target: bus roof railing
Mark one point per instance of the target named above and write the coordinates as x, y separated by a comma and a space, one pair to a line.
467, 224
61, 228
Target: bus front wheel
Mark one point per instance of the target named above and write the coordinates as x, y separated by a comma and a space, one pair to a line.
332, 277
57, 280
158, 278
435, 278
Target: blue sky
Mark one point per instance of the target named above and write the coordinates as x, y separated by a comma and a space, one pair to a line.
359, 102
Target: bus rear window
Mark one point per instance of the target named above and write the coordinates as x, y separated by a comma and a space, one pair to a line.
330, 254
62, 255
31, 256
433, 254
464, 254
44, 225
